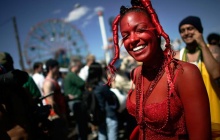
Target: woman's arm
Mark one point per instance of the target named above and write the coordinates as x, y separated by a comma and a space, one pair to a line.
195, 101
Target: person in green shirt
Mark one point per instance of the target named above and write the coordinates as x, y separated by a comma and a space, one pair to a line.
74, 88
31, 86
73, 84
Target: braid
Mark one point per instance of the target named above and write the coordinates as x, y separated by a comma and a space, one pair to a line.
111, 67
147, 4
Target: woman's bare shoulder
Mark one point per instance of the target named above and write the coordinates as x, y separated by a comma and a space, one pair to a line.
188, 68
188, 73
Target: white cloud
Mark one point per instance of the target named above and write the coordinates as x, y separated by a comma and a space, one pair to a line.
77, 13
89, 17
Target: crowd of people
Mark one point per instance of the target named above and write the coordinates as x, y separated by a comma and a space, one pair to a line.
152, 93
51, 108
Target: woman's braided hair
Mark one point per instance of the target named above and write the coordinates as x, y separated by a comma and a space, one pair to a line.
144, 6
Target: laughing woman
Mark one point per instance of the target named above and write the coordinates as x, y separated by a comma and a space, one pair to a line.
169, 100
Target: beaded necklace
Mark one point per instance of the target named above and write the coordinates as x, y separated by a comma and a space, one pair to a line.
141, 99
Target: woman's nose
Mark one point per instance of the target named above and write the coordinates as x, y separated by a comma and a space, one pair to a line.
134, 38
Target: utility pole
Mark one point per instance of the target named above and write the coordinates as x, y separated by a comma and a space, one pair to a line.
18, 43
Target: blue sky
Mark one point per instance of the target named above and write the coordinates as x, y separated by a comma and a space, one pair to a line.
31, 13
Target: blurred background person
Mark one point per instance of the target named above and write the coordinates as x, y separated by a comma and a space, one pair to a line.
51, 88
38, 76
197, 52
213, 40
108, 102
84, 71
120, 87
17, 107
74, 87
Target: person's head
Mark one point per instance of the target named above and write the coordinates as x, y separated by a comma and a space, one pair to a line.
90, 59
95, 74
52, 66
75, 65
187, 28
213, 39
6, 61
141, 32
38, 67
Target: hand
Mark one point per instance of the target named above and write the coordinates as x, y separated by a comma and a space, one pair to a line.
199, 38
71, 97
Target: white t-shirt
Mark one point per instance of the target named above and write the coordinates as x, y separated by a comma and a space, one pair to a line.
84, 72
39, 80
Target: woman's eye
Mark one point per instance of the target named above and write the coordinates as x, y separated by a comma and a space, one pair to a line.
125, 37
141, 30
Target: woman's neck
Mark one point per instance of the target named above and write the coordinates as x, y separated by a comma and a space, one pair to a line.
150, 70
155, 61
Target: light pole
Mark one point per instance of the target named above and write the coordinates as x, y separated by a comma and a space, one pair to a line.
104, 37
18, 43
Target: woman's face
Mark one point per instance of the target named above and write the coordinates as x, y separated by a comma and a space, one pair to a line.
139, 36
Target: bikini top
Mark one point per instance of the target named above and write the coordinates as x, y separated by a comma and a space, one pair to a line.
163, 119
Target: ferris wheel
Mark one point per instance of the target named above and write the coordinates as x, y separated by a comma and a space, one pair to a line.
54, 38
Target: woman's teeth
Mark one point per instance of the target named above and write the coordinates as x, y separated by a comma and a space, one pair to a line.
138, 48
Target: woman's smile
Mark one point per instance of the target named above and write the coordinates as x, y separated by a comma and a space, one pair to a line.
139, 48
